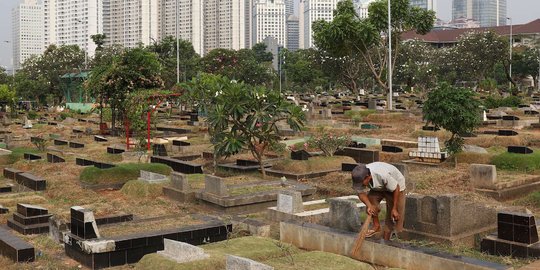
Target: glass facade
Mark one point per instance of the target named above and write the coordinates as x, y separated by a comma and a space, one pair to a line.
487, 12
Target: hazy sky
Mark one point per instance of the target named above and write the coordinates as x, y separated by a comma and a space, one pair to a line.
521, 11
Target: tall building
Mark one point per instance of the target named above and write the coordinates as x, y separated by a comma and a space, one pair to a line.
130, 22
269, 20
27, 37
425, 4
293, 33
224, 24
487, 12
186, 17
69, 22
361, 7
311, 11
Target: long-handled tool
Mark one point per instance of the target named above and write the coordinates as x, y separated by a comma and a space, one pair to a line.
360, 239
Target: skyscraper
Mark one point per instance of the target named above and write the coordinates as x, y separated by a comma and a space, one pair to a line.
130, 22
311, 11
269, 20
27, 37
293, 33
425, 4
487, 12
224, 24
69, 22
190, 21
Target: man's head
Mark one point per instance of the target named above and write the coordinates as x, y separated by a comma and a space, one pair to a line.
360, 177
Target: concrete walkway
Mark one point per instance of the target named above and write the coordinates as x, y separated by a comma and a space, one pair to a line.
533, 266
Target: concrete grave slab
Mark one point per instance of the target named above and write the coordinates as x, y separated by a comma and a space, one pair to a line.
290, 202
239, 263
182, 252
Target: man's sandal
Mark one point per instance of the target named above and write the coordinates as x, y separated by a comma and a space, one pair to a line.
371, 233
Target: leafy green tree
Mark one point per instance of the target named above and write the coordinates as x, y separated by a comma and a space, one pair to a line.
415, 66
261, 55
46, 70
4, 77
241, 65
166, 51
133, 70
303, 70
7, 96
454, 109
525, 61
99, 40
349, 36
245, 117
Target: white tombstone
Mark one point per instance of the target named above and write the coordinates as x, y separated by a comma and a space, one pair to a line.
182, 252
239, 263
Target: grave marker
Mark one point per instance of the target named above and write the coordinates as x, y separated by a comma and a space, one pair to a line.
182, 252
179, 181
215, 185
300, 155
152, 178
290, 202
483, 176
520, 150
239, 263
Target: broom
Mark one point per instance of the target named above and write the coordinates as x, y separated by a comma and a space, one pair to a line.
360, 239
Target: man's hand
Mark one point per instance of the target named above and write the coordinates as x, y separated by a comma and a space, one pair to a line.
372, 210
395, 215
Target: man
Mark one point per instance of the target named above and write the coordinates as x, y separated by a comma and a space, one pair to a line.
374, 182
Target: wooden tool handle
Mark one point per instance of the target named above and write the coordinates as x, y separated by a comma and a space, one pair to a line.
361, 236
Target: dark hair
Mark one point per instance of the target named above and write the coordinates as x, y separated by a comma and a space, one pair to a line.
359, 173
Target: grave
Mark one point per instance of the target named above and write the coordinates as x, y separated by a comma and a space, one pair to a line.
391, 149
159, 149
400, 143
60, 142
11, 173
510, 118
31, 157
180, 143
300, 155
31, 181
505, 132
3, 210
15, 248
517, 236
243, 165
289, 202
430, 128
348, 167
54, 158
240, 263
519, 150
343, 215
354, 144
98, 138
179, 190
30, 219
115, 150
360, 155
152, 178
178, 165
6, 189
96, 253
428, 151
447, 218
369, 126
484, 179
182, 252
76, 145
218, 195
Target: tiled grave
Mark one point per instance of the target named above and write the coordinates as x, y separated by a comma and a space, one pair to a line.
31, 181
15, 248
30, 156
360, 155
11, 173
484, 179
115, 150
517, 236
519, 150
97, 253
159, 149
30, 219
178, 165
391, 149
54, 158
428, 150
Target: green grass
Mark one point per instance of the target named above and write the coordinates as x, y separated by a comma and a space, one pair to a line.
252, 189
141, 189
517, 162
264, 250
533, 199
17, 154
121, 173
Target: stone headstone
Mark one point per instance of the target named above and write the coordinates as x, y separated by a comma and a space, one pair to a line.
182, 252
290, 202
326, 113
151, 177
483, 176
519, 150
504, 132
391, 149
300, 155
344, 215
372, 104
83, 223
215, 185
239, 263
180, 181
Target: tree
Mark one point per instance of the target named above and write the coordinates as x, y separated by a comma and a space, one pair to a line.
99, 40
525, 61
454, 109
166, 52
415, 66
261, 55
112, 81
7, 97
303, 70
241, 65
47, 69
4, 78
245, 117
349, 36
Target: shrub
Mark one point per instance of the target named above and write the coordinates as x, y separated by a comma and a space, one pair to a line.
121, 173
32, 115
328, 143
496, 102
517, 162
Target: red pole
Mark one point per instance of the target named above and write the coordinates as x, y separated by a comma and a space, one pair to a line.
148, 131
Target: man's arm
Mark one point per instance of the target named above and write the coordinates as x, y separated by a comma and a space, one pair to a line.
396, 194
369, 208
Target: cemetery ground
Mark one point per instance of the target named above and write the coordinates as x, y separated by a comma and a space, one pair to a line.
110, 186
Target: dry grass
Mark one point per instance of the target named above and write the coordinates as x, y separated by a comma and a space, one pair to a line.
127, 228
314, 164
